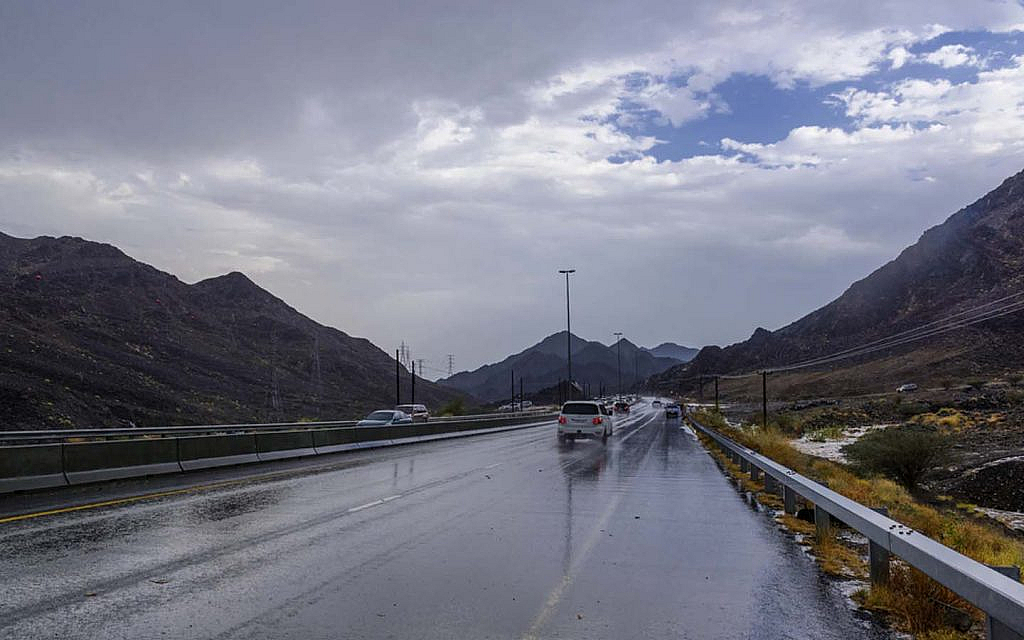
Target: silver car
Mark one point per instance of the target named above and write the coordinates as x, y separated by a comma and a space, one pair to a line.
384, 418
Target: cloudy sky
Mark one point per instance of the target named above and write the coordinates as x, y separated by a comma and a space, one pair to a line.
420, 171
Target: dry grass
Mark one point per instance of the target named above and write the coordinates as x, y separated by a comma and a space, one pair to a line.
914, 602
917, 604
796, 525
949, 420
838, 559
944, 634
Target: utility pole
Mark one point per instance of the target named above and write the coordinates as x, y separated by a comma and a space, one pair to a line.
764, 398
716, 394
413, 374
568, 326
398, 377
520, 393
700, 383
618, 362
513, 374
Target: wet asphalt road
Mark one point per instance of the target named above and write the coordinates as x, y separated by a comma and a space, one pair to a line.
497, 536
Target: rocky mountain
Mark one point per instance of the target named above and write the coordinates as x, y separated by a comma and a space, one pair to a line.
974, 258
544, 364
91, 337
673, 350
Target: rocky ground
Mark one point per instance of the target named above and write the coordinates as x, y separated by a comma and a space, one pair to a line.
984, 420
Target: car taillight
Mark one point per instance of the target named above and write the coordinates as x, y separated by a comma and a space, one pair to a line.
598, 420
562, 420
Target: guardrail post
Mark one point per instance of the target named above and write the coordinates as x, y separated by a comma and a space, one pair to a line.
994, 629
822, 523
878, 557
769, 483
744, 465
755, 474
789, 500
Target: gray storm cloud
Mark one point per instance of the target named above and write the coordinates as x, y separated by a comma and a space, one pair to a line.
419, 171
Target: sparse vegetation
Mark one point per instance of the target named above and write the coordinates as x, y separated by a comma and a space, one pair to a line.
913, 602
826, 434
456, 407
910, 409
904, 453
946, 419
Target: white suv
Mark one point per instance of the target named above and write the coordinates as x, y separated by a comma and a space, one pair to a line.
418, 412
585, 419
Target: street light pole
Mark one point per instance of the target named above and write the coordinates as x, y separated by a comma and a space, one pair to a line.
568, 328
618, 360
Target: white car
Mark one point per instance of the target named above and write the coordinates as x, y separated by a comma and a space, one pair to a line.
585, 419
417, 412
904, 388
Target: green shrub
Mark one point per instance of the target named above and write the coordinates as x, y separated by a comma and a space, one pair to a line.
904, 453
456, 407
976, 383
911, 409
711, 418
825, 434
785, 423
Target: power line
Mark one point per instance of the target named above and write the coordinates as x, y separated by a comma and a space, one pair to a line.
959, 320
912, 335
907, 333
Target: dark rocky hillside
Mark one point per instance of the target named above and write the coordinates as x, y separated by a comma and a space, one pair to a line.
90, 337
973, 258
544, 364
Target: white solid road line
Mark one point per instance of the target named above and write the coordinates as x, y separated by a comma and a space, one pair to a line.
366, 506
374, 503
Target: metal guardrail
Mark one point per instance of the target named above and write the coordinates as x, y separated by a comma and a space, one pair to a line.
999, 596
64, 435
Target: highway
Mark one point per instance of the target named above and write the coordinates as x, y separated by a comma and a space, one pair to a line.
497, 536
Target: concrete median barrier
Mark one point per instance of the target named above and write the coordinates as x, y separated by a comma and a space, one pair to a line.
112, 459
278, 445
377, 434
204, 452
31, 467
333, 440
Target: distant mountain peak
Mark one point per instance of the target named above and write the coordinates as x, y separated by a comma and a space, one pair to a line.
542, 365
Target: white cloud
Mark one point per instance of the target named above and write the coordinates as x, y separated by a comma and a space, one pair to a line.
983, 116
952, 55
407, 177
899, 56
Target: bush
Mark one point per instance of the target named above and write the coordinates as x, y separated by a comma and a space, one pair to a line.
456, 407
826, 434
904, 454
911, 409
711, 418
785, 423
